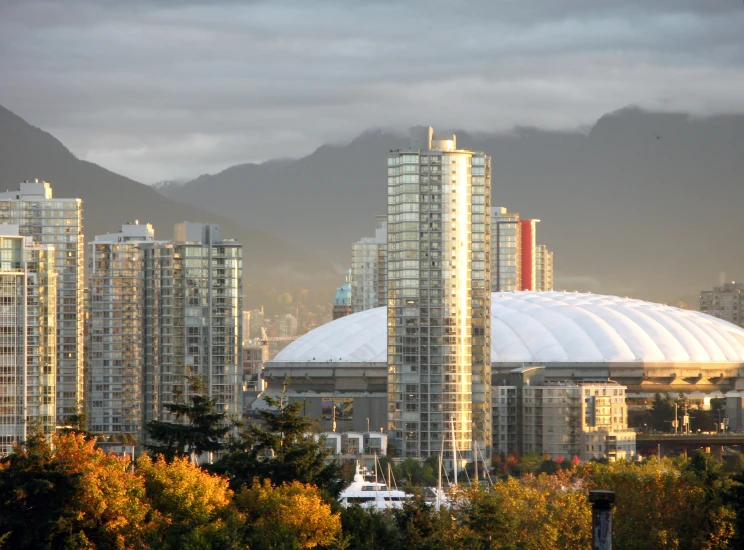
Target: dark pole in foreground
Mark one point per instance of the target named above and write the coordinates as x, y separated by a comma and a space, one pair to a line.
602, 502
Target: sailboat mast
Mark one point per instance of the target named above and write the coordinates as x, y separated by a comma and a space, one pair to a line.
439, 484
454, 451
475, 461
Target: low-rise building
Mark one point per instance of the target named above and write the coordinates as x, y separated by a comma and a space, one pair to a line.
253, 360
563, 419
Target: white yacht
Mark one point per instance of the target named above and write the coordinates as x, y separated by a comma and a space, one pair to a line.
371, 494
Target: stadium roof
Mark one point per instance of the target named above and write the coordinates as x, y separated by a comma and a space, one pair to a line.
550, 327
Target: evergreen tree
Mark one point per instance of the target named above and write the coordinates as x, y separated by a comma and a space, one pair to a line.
278, 449
662, 412
34, 491
201, 430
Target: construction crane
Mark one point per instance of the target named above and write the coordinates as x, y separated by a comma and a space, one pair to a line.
265, 339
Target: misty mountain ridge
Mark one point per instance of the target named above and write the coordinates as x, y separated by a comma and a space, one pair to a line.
109, 200
641, 204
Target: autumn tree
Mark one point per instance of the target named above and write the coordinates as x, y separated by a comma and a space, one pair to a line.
71, 495
193, 508
291, 515
200, 428
659, 506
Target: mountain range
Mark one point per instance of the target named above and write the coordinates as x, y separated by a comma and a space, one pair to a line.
641, 204
109, 200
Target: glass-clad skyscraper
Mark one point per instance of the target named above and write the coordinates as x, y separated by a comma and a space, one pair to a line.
439, 306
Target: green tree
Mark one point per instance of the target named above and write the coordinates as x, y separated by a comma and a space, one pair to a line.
366, 529
279, 449
662, 412
421, 526
733, 497
712, 517
417, 474
202, 429
530, 463
34, 491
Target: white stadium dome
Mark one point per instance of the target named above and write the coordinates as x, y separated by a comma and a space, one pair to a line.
549, 327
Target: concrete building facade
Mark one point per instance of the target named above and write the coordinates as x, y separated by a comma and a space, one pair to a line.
59, 223
438, 309
725, 302
587, 420
115, 342
253, 361
28, 354
543, 269
192, 318
506, 250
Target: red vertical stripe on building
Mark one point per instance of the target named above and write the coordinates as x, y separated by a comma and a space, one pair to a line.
528, 254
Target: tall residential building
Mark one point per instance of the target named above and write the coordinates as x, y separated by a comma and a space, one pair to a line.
286, 325
57, 222
28, 333
192, 318
439, 299
246, 325
725, 301
342, 298
563, 420
506, 250
256, 323
543, 269
115, 343
369, 270
529, 247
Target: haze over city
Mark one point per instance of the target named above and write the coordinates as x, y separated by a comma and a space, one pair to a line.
413, 274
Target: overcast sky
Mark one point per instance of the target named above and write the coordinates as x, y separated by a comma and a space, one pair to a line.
174, 88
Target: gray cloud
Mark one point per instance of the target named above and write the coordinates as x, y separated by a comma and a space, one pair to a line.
175, 88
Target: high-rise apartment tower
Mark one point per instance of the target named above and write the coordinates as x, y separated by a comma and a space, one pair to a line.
115, 356
725, 301
528, 255
57, 222
28, 354
439, 299
506, 250
369, 270
543, 268
193, 305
